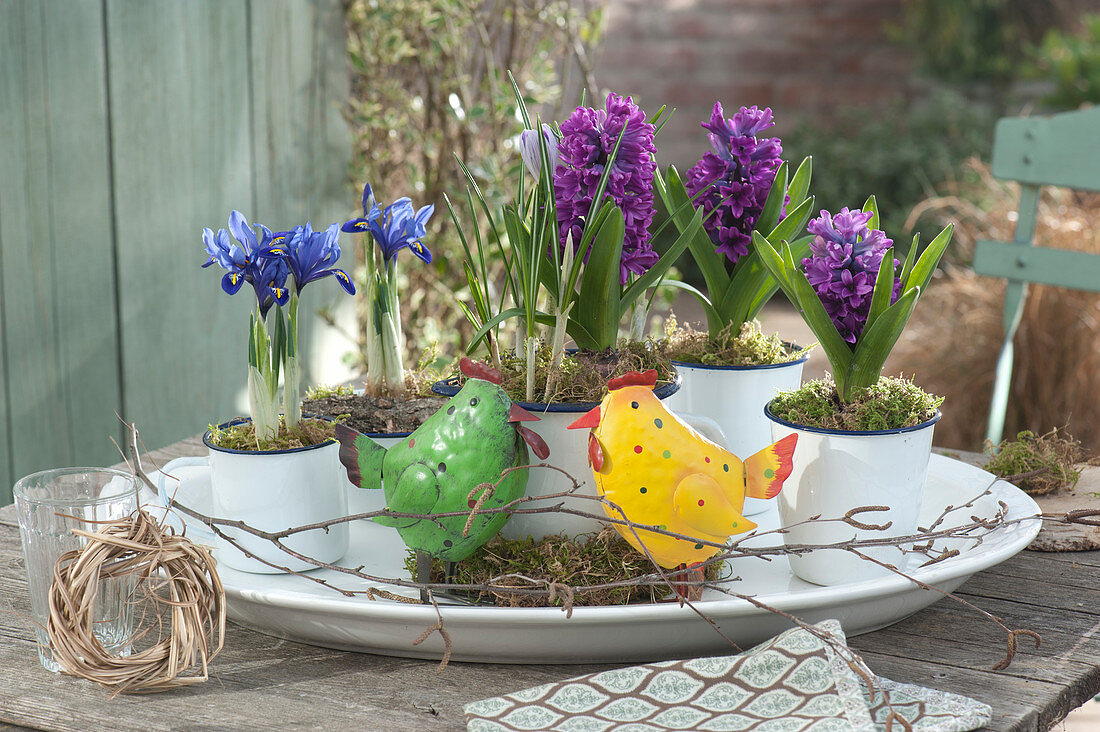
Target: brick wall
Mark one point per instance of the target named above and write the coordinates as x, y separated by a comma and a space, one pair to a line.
800, 57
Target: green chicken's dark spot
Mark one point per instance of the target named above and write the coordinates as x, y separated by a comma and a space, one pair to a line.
451, 409
443, 467
659, 423
447, 543
473, 401
634, 405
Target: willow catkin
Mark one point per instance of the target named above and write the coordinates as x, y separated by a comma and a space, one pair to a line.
178, 603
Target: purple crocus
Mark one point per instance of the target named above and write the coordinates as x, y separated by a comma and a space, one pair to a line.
249, 260
529, 149
588, 139
731, 183
844, 260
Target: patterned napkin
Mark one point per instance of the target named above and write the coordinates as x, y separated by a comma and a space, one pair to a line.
795, 682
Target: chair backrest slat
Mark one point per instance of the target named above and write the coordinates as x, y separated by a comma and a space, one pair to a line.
1062, 150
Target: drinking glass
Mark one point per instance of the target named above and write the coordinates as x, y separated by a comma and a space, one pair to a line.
52, 503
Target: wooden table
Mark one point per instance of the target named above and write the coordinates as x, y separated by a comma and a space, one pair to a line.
261, 682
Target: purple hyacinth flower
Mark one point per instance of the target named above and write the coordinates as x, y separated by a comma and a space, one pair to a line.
844, 260
732, 183
588, 138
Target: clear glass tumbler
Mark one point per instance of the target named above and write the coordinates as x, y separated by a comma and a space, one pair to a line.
52, 503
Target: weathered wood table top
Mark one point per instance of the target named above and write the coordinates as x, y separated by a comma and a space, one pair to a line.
262, 682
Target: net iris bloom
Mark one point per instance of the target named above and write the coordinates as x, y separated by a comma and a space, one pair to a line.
248, 260
393, 228
310, 255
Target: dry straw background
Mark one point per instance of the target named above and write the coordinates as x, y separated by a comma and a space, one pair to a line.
952, 342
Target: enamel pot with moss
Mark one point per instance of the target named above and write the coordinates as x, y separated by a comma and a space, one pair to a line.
734, 397
836, 471
270, 490
569, 453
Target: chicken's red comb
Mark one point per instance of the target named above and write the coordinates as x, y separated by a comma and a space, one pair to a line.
634, 378
478, 370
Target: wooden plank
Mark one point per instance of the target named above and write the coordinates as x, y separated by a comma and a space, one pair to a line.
302, 144
180, 129
1054, 267
82, 233
37, 409
12, 155
1062, 150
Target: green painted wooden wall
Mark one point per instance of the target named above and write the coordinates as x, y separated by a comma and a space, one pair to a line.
126, 126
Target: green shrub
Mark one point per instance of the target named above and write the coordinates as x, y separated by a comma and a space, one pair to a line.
898, 154
429, 81
1071, 62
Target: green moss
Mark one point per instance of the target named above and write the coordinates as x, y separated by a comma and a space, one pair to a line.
583, 376
243, 436
603, 559
322, 391
750, 347
891, 403
1054, 454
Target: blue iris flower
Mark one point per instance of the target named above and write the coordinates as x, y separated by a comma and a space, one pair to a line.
249, 260
394, 228
311, 254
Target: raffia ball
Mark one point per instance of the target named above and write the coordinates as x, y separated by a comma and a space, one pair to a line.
178, 607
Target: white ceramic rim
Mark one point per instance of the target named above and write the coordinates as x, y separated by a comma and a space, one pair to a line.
854, 433
285, 451
1012, 540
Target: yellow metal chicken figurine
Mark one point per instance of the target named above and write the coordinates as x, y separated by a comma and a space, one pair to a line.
663, 473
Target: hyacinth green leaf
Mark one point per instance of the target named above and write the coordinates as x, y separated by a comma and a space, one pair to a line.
800, 181
876, 342
773, 204
836, 348
910, 260
708, 308
801, 293
661, 267
884, 287
929, 258
711, 264
599, 312
762, 286
793, 222
871, 205
773, 261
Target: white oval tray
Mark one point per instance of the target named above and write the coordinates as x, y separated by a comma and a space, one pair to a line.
295, 608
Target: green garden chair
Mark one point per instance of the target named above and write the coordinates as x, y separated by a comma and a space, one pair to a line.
1062, 150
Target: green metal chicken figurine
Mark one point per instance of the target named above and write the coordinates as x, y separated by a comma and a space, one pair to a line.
469, 441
